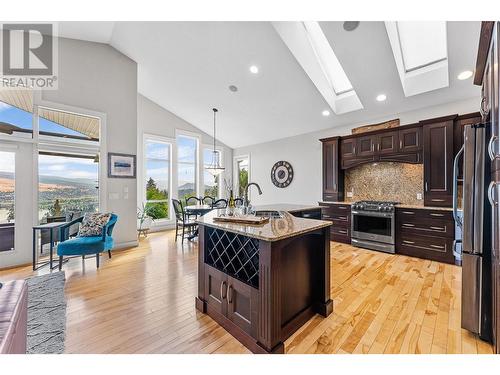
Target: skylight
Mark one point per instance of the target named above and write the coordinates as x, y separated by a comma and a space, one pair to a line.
422, 43
330, 65
420, 53
309, 45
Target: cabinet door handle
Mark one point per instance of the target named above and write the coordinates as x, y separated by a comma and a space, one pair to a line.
437, 228
230, 294
409, 213
221, 289
426, 186
491, 153
327, 217
491, 198
408, 242
400, 144
484, 107
342, 208
342, 231
437, 215
408, 225
437, 200
437, 246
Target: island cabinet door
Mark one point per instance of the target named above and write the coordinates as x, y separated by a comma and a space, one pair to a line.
215, 289
242, 305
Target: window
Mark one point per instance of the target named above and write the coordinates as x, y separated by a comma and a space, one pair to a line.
13, 120
157, 178
67, 183
7, 203
187, 162
211, 184
242, 167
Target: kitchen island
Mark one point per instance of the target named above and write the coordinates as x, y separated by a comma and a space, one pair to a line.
263, 282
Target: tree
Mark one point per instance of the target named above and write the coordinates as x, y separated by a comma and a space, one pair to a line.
157, 210
243, 181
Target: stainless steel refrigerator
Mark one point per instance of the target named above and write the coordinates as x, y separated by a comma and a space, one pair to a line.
476, 231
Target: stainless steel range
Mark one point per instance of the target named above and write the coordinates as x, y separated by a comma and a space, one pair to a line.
372, 225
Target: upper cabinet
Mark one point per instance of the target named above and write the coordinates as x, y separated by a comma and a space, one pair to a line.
333, 176
387, 142
410, 139
438, 161
348, 148
397, 145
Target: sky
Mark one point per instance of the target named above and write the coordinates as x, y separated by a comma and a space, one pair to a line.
23, 119
61, 166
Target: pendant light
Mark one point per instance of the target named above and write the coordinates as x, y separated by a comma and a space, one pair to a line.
215, 168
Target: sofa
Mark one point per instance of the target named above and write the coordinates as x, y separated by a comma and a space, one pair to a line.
13, 317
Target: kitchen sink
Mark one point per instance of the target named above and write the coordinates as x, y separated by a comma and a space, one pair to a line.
269, 213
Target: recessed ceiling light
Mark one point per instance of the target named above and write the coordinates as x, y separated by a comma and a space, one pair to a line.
464, 75
254, 69
381, 97
326, 113
233, 88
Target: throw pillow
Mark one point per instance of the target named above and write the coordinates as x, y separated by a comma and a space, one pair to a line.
92, 224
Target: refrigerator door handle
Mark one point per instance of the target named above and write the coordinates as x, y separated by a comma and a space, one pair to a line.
491, 198
458, 220
491, 152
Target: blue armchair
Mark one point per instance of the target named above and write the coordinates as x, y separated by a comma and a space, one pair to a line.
85, 245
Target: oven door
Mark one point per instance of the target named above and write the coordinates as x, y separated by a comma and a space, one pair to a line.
373, 226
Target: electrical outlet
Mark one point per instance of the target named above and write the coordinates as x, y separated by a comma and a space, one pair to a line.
349, 194
419, 196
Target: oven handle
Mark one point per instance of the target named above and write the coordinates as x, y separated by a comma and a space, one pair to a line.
373, 214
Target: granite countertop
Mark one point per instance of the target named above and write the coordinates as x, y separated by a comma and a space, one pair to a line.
287, 207
413, 206
274, 230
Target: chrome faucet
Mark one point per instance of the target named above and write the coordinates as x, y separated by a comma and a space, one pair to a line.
246, 201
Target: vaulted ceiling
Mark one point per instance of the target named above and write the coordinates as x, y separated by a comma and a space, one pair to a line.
187, 68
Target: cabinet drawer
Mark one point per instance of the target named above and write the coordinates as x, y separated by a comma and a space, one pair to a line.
340, 234
438, 228
339, 218
408, 213
426, 247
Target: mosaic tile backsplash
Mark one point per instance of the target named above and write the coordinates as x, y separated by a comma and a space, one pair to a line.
385, 181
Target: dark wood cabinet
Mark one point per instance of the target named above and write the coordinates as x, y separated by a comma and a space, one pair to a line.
387, 142
402, 145
348, 148
242, 301
333, 176
215, 289
410, 139
340, 215
426, 234
231, 298
365, 145
438, 161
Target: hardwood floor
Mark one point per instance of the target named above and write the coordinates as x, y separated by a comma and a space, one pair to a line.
142, 301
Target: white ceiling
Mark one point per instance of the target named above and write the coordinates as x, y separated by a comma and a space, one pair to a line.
186, 67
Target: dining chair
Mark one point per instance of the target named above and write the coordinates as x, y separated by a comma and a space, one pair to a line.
192, 201
182, 220
208, 200
220, 203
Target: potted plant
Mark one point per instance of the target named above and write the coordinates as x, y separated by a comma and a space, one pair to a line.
144, 220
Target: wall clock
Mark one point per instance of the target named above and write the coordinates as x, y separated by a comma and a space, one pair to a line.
282, 174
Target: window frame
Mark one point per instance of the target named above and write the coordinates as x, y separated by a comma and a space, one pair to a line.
171, 143
221, 160
199, 156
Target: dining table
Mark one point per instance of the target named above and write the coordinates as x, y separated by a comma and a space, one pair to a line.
198, 210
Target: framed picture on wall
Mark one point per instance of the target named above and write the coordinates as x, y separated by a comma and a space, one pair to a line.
121, 165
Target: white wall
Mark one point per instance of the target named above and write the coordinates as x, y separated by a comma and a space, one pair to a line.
304, 153
155, 120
